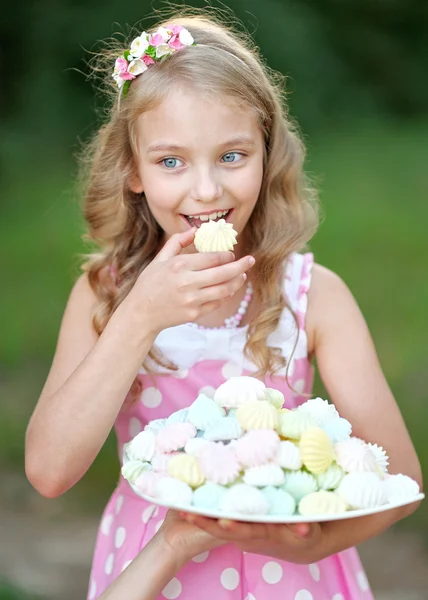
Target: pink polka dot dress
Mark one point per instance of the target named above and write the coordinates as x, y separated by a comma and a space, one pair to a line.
206, 358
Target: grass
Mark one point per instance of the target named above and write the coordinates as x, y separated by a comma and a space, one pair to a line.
373, 189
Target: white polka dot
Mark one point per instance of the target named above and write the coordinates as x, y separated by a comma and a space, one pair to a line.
208, 390
338, 597
314, 570
151, 397
230, 579
119, 537
108, 567
303, 595
135, 426
148, 513
250, 597
159, 525
119, 504
201, 557
231, 370
106, 524
181, 373
272, 572
363, 584
299, 385
172, 590
126, 564
92, 591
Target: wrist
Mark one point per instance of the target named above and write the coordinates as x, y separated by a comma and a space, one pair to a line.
135, 322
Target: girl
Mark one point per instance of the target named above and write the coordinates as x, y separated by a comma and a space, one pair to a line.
197, 132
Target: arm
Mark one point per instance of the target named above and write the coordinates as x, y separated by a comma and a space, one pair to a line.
350, 370
91, 376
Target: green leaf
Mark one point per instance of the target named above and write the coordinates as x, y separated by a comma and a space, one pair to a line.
125, 87
151, 51
126, 54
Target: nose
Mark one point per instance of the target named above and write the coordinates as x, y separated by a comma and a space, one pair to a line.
206, 185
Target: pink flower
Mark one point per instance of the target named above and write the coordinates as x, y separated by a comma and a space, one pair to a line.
127, 76
175, 43
148, 60
156, 40
176, 29
121, 65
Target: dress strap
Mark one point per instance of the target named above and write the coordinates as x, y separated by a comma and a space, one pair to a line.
297, 283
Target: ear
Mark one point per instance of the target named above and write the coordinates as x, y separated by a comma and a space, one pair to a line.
135, 183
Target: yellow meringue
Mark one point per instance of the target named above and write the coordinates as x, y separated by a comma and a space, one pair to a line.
316, 450
322, 503
257, 414
186, 468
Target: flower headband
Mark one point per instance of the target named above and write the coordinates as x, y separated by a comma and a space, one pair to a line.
146, 50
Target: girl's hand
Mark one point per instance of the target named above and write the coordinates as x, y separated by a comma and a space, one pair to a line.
185, 540
293, 543
179, 288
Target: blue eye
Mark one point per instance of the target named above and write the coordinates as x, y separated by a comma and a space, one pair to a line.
230, 157
170, 163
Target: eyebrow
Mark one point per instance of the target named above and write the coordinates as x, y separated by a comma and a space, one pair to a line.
241, 140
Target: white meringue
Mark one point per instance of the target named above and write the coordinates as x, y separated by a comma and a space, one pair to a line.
215, 236
238, 390
362, 490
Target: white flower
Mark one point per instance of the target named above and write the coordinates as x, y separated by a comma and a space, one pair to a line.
139, 45
118, 79
164, 33
136, 67
185, 37
163, 50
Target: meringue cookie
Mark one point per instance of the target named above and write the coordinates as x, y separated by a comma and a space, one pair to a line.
204, 411
238, 390
299, 484
160, 461
215, 236
354, 455
218, 463
208, 496
133, 469
288, 456
146, 482
338, 429
257, 447
223, 429
399, 488
331, 478
280, 502
264, 475
381, 457
244, 499
316, 450
185, 467
180, 416
173, 491
174, 437
293, 423
194, 445
257, 414
362, 490
275, 397
321, 411
322, 503
155, 425
141, 447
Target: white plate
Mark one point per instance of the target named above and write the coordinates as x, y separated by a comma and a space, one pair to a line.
351, 514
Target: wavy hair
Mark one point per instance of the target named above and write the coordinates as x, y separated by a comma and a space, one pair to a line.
224, 62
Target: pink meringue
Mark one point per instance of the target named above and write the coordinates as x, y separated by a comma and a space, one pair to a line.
174, 437
257, 447
218, 463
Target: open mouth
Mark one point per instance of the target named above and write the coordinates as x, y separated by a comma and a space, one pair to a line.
197, 220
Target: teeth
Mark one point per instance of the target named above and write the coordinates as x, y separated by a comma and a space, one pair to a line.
210, 217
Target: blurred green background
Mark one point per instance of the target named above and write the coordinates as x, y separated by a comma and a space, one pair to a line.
358, 88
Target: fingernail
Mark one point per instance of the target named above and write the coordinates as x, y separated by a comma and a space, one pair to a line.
225, 523
252, 261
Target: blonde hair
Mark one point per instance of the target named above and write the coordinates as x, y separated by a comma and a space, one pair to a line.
285, 217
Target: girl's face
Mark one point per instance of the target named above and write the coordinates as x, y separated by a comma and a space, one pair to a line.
199, 158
